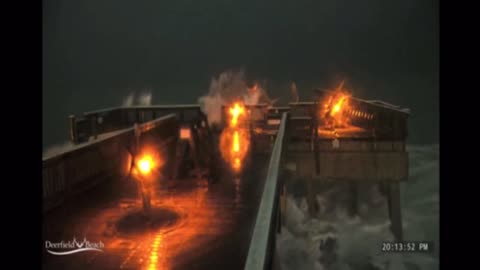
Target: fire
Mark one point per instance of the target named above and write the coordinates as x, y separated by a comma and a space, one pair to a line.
234, 144
145, 164
236, 111
334, 110
235, 140
338, 105
237, 164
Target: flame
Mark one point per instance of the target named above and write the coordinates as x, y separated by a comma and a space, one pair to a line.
237, 164
335, 109
236, 143
338, 105
236, 111
153, 258
235, 140
145, 164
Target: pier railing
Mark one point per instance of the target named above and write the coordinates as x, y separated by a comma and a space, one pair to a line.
85, 165
94, 123
262, 245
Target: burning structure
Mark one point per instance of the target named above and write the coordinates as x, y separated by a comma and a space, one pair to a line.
331, 139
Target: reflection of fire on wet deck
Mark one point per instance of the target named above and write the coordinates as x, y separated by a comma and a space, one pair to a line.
189, 225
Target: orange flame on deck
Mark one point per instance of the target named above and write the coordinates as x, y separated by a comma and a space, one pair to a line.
236, 111
334, 110
235, 139
236, 143
147, 163
236, 164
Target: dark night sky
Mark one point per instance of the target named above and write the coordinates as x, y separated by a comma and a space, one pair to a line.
96, 52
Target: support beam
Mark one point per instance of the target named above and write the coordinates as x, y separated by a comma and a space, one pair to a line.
279, 219
353, 203
312, 203
283, 205
172, 151
276, 262
94, 126
395, 210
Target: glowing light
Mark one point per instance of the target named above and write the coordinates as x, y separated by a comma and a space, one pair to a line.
234, 140
336, 109
185, 133
237, 164
236, 111
236, 143
153, 258
145, 164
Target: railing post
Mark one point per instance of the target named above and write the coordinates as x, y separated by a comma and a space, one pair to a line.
73, 129
141, 115
93, 123
137, 133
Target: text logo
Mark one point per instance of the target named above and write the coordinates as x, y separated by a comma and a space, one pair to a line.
74, 246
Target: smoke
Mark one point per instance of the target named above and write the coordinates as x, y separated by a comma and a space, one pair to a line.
211, 106
230, 85
57, 149
334, 240
144, 99
252, 97
128, 101
294, 92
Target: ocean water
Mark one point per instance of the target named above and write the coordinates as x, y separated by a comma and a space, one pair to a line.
357, 240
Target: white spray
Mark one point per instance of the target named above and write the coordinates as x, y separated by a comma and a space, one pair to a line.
143, 99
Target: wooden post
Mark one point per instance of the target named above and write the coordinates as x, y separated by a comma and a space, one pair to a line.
181, 116
312, 204
279, 216
194, 146
143, 187
283, 205
73, 129
94, 126
172, 150
353, 207
395, 211
275, 261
